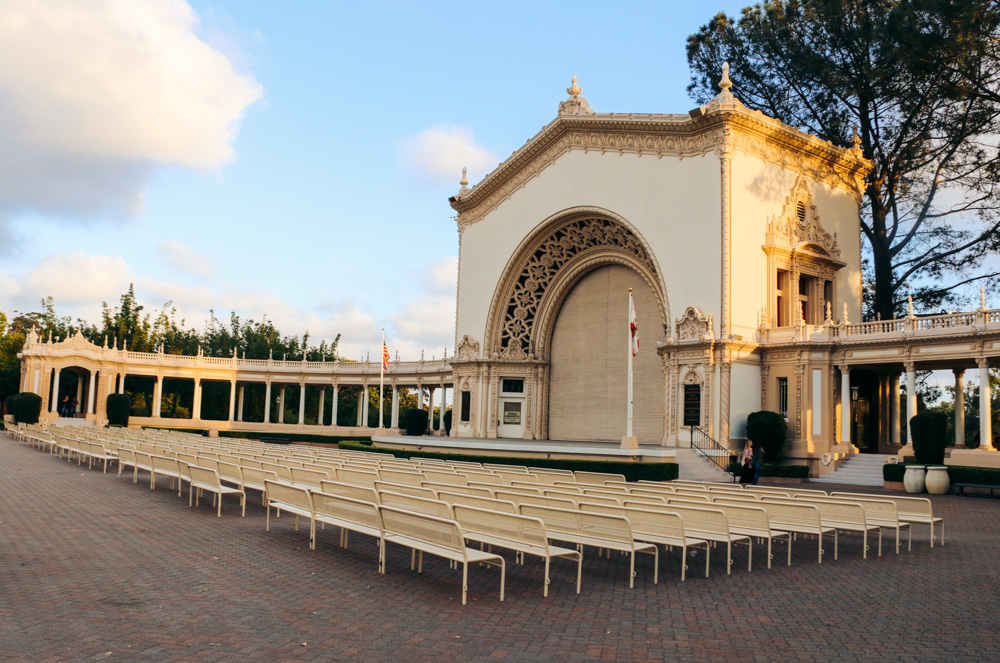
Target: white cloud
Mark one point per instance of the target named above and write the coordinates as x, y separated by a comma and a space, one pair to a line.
184, 259
95, 95
438, 155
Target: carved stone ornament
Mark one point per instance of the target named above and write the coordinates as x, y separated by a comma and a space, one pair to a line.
468, 348
798, 224
541, 267
575, 105
693, 326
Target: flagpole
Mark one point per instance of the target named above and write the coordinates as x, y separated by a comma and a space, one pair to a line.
629, 441
628, 425
381, 379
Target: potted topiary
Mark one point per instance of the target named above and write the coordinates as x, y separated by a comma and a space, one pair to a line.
27, 407
415, 422
119, 407
769, 431
929, 431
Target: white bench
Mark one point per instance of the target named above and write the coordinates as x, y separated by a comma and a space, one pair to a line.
203, 478
522, 534
913, 510
792, 517
706, 523
436, 536
602, 531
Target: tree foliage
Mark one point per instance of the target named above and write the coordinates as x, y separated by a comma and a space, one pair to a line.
920, 79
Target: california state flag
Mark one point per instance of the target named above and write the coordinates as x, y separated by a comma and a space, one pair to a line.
633, 325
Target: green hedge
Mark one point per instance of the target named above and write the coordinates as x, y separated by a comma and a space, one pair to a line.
984, 475
118, 408
415, 422
785, 471
632, 471
929, 430
256, 435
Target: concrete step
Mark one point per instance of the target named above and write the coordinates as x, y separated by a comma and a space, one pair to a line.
859, 470
692, 465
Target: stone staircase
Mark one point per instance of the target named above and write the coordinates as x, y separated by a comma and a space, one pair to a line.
693, 465
859, 470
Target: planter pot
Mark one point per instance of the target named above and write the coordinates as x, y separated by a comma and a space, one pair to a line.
913, 480
937, 481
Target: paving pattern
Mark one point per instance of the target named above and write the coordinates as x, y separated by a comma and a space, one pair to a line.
96, 568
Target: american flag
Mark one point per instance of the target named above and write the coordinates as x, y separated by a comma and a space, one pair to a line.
385, 357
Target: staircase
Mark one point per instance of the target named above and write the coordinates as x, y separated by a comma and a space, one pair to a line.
693, 465
859, 470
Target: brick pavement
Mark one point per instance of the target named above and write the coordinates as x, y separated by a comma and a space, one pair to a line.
93, 567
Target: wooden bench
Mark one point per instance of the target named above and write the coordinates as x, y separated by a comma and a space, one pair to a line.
913, 510
203, 478
436, 536
602, 531
704, 522
522, 534
660, 527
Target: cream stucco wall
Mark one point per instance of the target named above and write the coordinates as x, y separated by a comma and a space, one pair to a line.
744, 397
672, 203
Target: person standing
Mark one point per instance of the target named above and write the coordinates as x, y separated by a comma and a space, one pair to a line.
746, 463
758, 463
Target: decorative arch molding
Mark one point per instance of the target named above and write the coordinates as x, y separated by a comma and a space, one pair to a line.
545, 267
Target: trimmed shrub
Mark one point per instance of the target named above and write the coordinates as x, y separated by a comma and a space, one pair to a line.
929, 430
785, 471
27, 407
447, 422
415, 422
893, 471
631, 471
119, 406
8, 404
768, 430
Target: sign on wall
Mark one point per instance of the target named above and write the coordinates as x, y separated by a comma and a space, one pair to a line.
512, 413
692, 405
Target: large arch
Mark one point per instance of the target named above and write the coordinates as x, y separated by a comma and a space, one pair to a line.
588, 350
548, 264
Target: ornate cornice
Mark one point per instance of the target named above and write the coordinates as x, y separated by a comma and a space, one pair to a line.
724, 130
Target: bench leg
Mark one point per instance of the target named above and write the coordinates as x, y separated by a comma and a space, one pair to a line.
545, 587
684, 556
579, 572
465, 579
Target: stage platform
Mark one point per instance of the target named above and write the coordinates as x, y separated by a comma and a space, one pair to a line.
528, 448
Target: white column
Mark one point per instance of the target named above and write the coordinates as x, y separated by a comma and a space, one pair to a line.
79, 394
267, 403
911, 399
430, 409
196, 409
985, 415
333, 405
444, 401
394, 422
281, 405
91, 394
38, 380
54, 403
322, 397
232, 399
959, 408
894, 408
362, 409
157, 396
121, 384
239, 414
364, 406
302, 403
845, 404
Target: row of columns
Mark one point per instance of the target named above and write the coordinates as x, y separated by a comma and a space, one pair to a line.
985, 414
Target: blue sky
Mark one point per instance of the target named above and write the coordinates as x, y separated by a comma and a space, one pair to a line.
290, 159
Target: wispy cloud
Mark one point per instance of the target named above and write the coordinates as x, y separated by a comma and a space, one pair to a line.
437, 155
95, 95
184, 259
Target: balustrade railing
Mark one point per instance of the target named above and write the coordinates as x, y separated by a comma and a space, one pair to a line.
722, 457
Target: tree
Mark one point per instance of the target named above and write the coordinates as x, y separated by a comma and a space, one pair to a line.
920, 81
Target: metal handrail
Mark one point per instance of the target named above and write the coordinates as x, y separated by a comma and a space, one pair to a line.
713, 451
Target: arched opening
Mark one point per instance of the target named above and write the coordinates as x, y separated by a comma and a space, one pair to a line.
588, 360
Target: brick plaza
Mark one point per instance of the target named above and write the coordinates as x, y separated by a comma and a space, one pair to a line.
96, 568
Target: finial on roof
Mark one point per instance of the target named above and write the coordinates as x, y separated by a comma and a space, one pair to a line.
575, 105
856, 139
909, 305
846, 321
829, 311
725, 83
574, 89
465, 179
725, 96
982, 298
